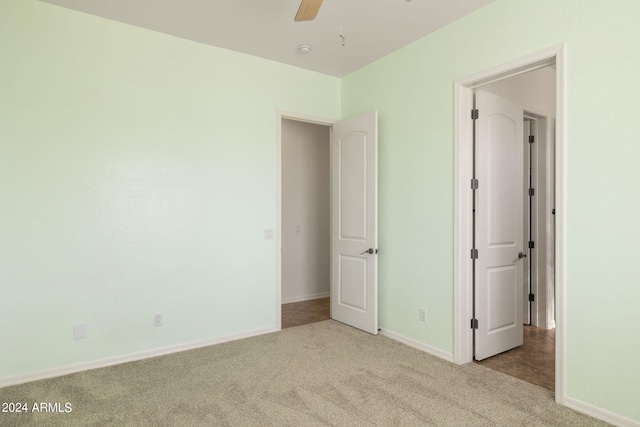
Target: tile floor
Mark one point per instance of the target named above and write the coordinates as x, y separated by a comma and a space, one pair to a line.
533, 362
301, 313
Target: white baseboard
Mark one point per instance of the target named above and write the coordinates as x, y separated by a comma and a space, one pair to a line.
599, 413
417, 345
132, 357
305, 298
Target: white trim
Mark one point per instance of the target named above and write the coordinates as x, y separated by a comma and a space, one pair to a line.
463, 351
305, 298
599, 413
546, 184
462, 227
529, 282
132, 357
561, 214
417, 345
307, 118
513, 68
280, 114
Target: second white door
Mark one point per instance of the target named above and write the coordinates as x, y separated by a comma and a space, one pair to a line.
499, 225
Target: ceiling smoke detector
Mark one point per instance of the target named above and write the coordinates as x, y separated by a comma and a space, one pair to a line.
303, 49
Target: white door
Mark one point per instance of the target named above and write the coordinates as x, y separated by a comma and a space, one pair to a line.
354, 222
499, 225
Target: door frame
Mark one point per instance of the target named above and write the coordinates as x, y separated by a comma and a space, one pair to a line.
529, 281
542, 218
463, 160
299, 117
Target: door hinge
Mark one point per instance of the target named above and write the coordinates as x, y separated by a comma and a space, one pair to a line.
474, 323
474, 114
532, 298
532, 244
531, 192
474, 184
531, 139
474, 254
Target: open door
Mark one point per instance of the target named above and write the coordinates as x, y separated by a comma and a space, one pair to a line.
499, 225
354, 222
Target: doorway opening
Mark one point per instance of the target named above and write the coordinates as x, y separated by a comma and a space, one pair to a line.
305, 222
464, 271
533, 358
353, 218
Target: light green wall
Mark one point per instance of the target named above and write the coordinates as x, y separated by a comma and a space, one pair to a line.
413, 91
137, 173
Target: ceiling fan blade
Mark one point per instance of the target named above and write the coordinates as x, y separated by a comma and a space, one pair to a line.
308, 10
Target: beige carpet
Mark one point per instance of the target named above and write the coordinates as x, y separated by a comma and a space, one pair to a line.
319, 374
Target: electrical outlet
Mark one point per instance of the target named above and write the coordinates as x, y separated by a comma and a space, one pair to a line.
423, 314
157, 319
79, 331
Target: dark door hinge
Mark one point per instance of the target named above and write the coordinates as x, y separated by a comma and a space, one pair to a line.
474, 184
532, 298
531, 192
474, 114
474, 323
474, 254
532, 244
531, 139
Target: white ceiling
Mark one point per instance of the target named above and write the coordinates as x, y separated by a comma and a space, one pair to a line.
265, 28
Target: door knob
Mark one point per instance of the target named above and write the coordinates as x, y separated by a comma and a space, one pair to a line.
522, 255
368, 251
